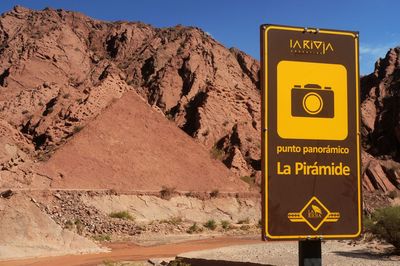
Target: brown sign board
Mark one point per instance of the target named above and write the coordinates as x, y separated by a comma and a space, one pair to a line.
311, 141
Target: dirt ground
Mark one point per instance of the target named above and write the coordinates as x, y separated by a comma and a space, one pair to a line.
132, 252
211, 251
286, 253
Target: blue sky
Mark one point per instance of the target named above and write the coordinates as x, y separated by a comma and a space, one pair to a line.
236, 23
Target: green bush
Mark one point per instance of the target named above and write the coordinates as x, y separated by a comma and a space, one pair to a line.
225, 224
194, 229
217, 153
125, 215
211, 224
385, 223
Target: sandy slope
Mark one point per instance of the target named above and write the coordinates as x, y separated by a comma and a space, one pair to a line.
131, 147
25, 231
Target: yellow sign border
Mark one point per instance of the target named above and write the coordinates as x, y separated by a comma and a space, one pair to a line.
264, 82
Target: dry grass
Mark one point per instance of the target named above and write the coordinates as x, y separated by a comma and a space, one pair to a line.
124, 215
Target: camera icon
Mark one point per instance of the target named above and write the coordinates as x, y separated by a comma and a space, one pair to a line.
316, 108
312, 101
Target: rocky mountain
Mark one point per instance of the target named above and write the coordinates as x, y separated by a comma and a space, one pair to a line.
380, 108
101, 117
60, 70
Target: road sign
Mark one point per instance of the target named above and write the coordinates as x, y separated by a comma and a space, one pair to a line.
311, 143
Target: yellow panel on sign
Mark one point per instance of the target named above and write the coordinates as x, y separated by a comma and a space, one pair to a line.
312, 101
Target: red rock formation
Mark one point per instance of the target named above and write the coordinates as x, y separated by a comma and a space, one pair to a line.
131, 147
59, 70
381, 123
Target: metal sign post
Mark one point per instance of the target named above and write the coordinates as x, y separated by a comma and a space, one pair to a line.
310, 141
310, 253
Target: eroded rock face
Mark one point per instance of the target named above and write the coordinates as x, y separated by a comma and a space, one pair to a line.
59, 70
380, 109
380, 106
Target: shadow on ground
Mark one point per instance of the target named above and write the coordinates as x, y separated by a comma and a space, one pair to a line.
385, 255
205, 262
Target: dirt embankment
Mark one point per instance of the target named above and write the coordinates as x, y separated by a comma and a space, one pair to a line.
26, 231
49, 223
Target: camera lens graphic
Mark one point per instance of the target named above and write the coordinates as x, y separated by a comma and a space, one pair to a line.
312, 103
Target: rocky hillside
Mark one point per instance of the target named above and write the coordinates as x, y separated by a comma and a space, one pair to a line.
59, 70
129, 147
380, 130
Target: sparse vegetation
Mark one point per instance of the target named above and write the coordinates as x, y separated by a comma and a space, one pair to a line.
124, 215
174, 220
206, 132
178, 262
216, 153
194, 229
245, 227
248, 179
169, 116
244, 221
211, 224
74, 82
191, 194
48, 111
79, 226
393, 194
69, 225
43, 157
214, 193
25, 112
384, 223
102, 237
77, 129
79, 100
167, 192
109, 263
225, 224
66, 95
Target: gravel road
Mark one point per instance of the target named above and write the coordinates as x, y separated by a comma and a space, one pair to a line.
286, 253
